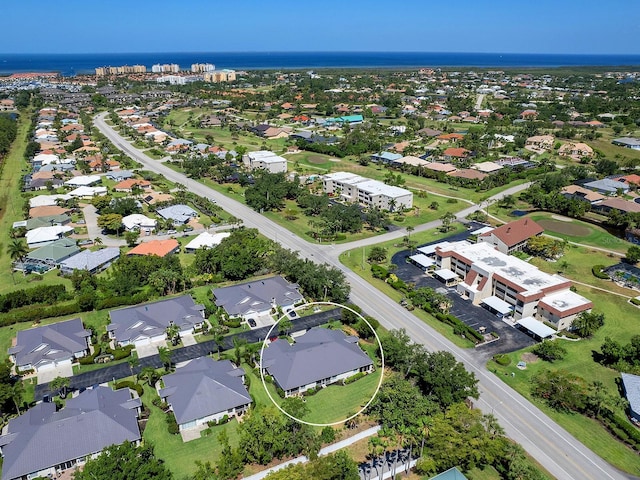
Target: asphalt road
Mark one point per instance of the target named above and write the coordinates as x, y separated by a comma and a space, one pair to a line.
552, 446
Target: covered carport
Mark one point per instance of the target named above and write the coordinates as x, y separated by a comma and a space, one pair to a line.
535, 328
497, 306
421, 261
446, 276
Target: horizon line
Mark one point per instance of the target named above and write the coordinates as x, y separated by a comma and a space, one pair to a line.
316, 51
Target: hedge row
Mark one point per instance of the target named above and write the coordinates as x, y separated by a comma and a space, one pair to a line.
623, 429
598, 273
129, 384
352, 379
43, 294
37, 313
89, 359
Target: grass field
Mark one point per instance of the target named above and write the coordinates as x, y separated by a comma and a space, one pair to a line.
355, 260
180, 457
580, 232
621, 324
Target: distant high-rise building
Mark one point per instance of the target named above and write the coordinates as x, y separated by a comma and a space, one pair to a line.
202, 67
122, 70
217, 76
165, 68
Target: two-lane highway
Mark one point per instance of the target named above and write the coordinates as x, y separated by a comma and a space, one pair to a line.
554, 448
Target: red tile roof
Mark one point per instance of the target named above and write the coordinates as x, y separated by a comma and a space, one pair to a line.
160, 248
515, 232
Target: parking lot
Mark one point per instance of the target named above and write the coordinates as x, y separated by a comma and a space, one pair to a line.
474, 316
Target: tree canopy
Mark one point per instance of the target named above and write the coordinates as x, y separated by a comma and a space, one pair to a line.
125, 462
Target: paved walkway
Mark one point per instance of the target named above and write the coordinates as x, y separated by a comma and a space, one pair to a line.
183, 354
325, 451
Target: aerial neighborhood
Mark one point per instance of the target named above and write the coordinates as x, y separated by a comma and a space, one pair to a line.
220, 271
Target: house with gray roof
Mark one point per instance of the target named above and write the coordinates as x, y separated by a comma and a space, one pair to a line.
178, 214
205, 390
93, 262
44, 443
257, 298
631, 385
146, 324
607, 186
119, 175
318, 358
50, 346
44, 221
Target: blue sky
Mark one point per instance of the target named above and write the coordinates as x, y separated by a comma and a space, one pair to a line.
516, 26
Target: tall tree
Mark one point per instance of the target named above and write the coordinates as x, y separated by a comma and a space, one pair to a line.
125, 462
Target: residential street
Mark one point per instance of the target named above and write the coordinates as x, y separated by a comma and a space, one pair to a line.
561, 454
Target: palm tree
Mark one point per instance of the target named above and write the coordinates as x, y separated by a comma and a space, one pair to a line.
133, 363
17, 250
97, 241
59, 385
173, 332
149, 374
409, 229
165, 357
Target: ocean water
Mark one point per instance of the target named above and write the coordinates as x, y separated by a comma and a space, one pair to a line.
71, 64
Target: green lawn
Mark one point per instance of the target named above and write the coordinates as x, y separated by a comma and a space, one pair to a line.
621, 324
356, 261
180, 457
580, 232
579, 261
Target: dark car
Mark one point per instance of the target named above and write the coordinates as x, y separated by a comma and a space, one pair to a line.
251, 322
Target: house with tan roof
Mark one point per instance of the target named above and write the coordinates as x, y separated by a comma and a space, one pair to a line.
512, 236
580, 193
576, 150
539, 142
160, 248
455, 153
441, 167
467, 173
450, 137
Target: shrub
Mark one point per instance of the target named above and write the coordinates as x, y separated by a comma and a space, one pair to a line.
635, 301
172, 424
280, 392
89, 359
353, 378
502, 359
550, 350
121, 352
129, 384
310, 392
49, 294
598, 273
379, 272
36, 313
327, 435
232, 323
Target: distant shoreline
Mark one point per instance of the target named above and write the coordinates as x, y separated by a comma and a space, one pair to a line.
72, 64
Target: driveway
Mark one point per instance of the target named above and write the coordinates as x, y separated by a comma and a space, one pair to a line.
45, 376
149, 350
188, 339
94, 231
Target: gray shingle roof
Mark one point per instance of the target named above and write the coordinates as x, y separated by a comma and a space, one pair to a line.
257, 296
178, 213
204, 387
320, 353
631, 385
88, 260
55, 342
90, 422
132, 323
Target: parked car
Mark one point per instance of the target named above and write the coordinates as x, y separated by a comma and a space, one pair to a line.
171, 232
188, 229
252, 323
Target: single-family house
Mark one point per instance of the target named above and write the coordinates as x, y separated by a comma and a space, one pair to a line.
468, 174
316, 359
608, 186
160, 248
385, 157
92, 262
178, 214
205, 240
205, 390
83, 181
39, 237
451, 474
128, 184
47, 201
576, 150
137, 221
119, 175
579, 193
147, 323
88, 192
45, 443
43, 221
620, 204
52, 254
512, 236
627, 142
631, 385
454, 153
441, 167
258, 298
50, 346
538, 143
